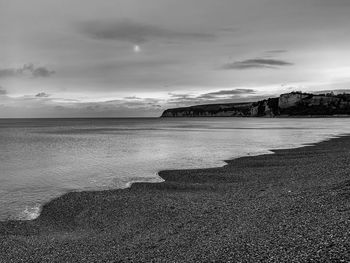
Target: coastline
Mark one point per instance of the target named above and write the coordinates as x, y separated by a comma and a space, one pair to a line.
267, 117
291, 205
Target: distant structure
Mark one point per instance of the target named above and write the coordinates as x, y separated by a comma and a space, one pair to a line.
295, 103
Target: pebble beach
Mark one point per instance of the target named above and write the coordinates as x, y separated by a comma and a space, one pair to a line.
290, 206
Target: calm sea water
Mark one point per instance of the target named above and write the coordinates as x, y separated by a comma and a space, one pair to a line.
41, 159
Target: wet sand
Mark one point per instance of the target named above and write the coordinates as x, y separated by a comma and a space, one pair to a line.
291, 206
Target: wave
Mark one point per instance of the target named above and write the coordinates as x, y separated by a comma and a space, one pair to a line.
30, 213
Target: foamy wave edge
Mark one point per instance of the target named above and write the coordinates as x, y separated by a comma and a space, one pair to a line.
30, 213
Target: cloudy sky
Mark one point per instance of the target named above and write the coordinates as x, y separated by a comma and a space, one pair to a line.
96, 58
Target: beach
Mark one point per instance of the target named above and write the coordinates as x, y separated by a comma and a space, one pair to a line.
290, 206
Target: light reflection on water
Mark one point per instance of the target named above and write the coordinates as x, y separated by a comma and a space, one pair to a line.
43, 158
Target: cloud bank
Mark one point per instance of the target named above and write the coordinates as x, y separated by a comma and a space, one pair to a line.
26, 70
257, 63
42, 95
221, 96
136, 33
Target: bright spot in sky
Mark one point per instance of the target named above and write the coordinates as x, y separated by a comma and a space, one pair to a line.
137, 48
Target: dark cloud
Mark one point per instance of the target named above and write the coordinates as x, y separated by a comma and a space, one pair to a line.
228, 29
277, 51
132, 102
257, 63
180, 96
134, 32
221, 96
226, 94
2, 91
8, 72
42, 95
231, 92
29, 106
335, 91
26, 69
132, 98
42, 72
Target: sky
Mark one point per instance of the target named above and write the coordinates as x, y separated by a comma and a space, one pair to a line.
130, 58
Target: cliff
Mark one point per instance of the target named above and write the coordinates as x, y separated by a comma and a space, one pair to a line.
210, 110
289, 104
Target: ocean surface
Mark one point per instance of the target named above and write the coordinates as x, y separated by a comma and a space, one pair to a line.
41, 159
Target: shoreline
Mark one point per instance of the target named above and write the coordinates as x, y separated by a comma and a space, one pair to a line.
158, 177
266, 117
33, 212
282, 206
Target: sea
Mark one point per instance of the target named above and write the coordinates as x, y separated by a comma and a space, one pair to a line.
41, 159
